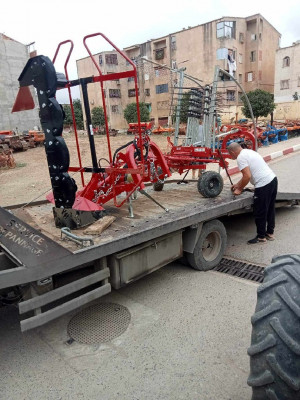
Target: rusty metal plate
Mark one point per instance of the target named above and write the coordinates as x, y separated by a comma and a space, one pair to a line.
26, 245
99, 323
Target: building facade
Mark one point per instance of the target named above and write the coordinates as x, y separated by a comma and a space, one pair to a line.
13, 57
250, 42
287, 82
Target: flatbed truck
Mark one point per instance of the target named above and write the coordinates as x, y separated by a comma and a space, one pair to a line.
49, 272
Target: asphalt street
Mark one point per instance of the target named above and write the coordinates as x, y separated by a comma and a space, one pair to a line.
187, 338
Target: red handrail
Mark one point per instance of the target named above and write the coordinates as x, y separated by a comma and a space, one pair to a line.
71, 101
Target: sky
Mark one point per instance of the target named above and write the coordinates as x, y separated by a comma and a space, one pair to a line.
130, 22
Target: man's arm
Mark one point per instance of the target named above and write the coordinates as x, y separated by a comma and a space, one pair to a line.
238, 187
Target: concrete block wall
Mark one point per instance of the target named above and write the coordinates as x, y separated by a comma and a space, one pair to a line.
13, 57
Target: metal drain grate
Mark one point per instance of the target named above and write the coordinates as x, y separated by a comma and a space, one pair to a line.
241, 269
99, 323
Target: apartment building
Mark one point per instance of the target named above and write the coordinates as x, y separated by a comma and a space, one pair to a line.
13, 57
251, 42
287, 82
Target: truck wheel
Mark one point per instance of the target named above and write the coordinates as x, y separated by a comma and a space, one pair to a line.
275, 341
210, 246
210, 184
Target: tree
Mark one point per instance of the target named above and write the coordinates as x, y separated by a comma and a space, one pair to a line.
68, 115
78, 113
184, 108
98, 117
130, 113
262, 103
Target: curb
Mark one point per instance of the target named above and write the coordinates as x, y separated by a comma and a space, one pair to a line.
272, 156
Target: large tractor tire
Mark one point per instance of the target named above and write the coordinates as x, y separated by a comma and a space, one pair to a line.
210, 246
210, 184
275, 342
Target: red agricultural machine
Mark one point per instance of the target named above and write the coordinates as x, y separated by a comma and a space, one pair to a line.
126, 171
133, 164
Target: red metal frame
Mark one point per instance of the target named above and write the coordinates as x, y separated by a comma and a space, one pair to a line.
80, 169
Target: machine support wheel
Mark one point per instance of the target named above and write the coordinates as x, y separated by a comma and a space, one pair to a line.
159, 185
275, 341
210, 184
210, 246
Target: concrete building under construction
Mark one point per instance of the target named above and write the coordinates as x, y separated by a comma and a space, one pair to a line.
13, 57
250, 43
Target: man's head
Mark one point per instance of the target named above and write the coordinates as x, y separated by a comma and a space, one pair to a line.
234, 150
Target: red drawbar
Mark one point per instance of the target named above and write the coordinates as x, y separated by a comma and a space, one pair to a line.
24, 100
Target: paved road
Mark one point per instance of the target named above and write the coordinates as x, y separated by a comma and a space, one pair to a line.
187, 338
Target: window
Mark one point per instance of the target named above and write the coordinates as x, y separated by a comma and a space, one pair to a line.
286, 62
253, 36
162, 88
230, 95
111, 59
159, 54
249, 77
146, 76
114, 93
115, 108
147, 92
173, 42
226, 29
240, 78
131, 93
285, 84
241, 38
148, 105
174, 64
157, 71
259, 75
240, 58
240, 94
100, 59
253, 56
130, 79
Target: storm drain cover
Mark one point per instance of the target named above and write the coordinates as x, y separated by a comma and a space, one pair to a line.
241, 269
99, 323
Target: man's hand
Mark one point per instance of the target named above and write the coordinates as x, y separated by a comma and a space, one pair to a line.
235, 187
237, 191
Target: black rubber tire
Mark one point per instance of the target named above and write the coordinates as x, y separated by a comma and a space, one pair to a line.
158, 186
210, 184
275, 342
210, 246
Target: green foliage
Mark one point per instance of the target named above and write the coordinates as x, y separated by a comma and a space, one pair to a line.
262, 103
98, 117
68, 115
130, 113
184, 107
78, 113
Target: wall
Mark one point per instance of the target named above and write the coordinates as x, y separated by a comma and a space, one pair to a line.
13, 57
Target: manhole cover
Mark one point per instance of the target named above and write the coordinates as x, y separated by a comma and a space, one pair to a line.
99, 323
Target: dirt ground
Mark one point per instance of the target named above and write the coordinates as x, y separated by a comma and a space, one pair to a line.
30, 179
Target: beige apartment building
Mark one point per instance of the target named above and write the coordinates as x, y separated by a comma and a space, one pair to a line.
252, 43
287, 82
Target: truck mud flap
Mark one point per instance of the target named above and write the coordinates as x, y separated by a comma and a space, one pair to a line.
41, 317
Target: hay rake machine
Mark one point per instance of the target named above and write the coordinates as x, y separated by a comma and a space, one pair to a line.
203, 144
129, 168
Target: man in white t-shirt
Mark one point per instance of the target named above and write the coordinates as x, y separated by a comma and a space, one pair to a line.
256, 171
